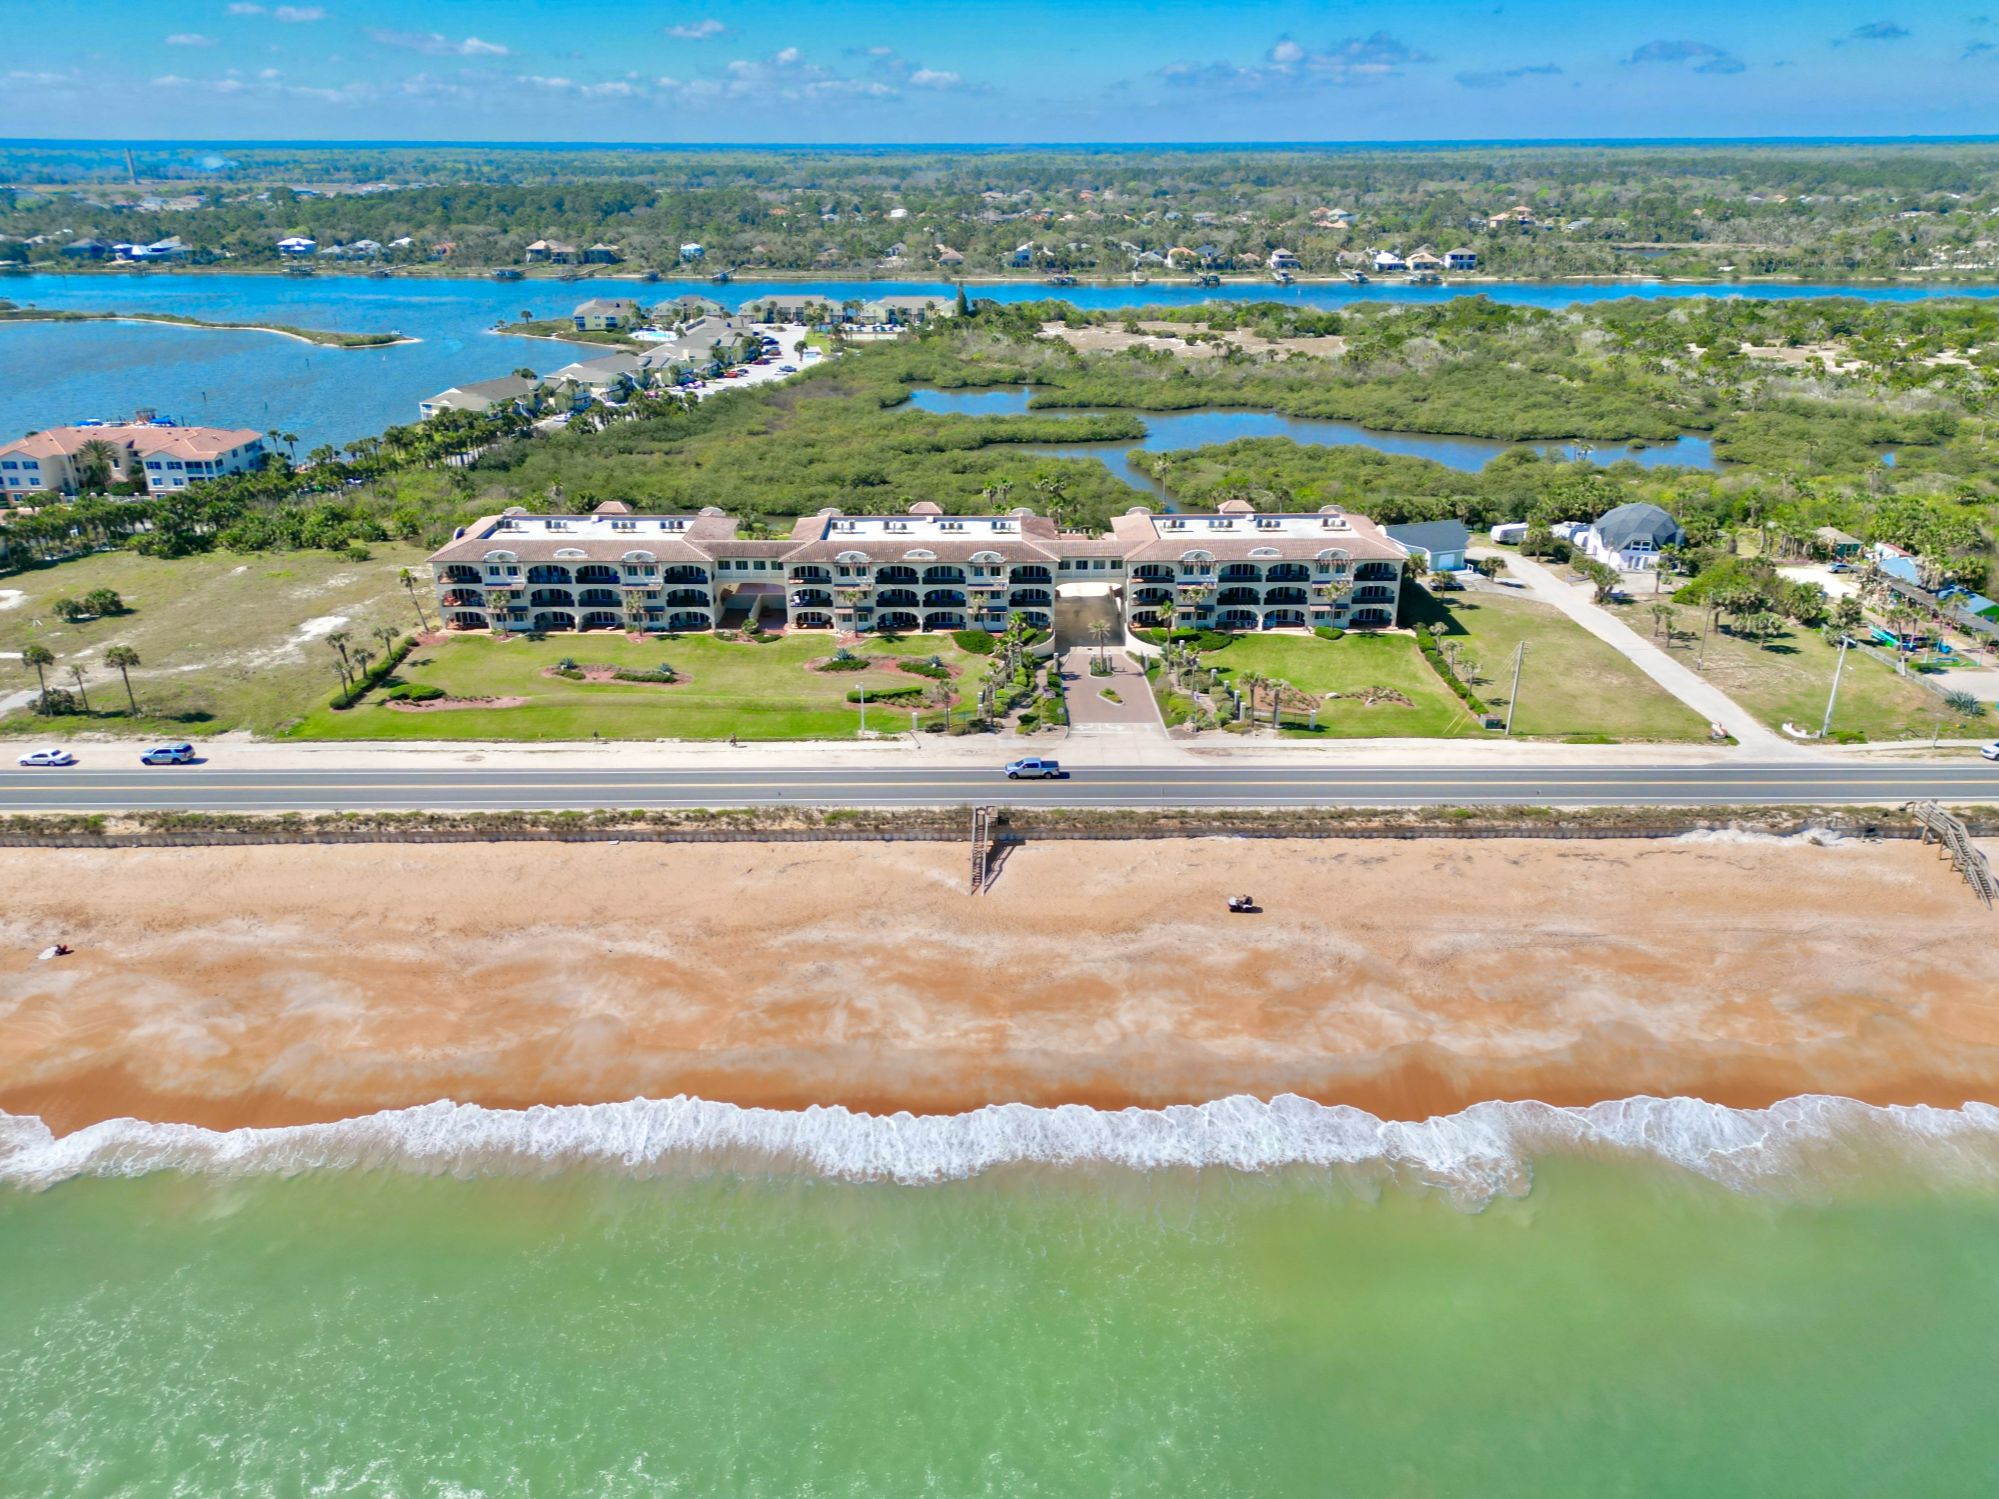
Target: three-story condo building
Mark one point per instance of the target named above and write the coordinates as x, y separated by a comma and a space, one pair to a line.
1237, 569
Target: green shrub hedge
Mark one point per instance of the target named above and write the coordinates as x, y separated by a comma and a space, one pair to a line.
888, 694
975, 642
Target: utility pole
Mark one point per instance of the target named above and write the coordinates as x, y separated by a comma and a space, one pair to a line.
1700, 657
864, 710
1513, 698
1833, 697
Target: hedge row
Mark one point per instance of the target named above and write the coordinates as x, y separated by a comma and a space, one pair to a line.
1427, 644
347, 697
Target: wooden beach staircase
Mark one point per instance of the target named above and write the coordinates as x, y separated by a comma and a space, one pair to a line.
982, 847
1954, 839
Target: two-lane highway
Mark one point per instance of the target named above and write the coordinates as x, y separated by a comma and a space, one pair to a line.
471, 788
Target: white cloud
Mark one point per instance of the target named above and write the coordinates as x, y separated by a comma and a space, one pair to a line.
1288, 64
434, 44
190, 39
936, 78
297, 13
244, 8
699, 31
269, 83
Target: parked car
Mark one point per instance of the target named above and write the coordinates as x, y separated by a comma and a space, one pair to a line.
787, 369
1032, 768
48, 757
168, 754
1839, 567
1989, 751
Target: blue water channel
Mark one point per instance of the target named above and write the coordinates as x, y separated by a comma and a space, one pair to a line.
1171, 431
53, 373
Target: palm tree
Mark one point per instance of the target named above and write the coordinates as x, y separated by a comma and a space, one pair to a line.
338, 640
387, 635
1251, 680
96, 461
1662, 619
409, 587
1100, 635
39, 656
76, 676
124, 658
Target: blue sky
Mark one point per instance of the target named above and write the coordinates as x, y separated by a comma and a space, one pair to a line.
1028, 70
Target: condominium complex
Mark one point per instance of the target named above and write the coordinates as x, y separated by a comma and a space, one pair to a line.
167, 458
1237, 569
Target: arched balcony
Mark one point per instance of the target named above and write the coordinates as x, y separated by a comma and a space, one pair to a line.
943, 619
458, 572
1242, 572
545, 572
1033, 572
1022, 598
1283, 595
684, 621
683, 576
943, 575
1374, 596
600, 598
1371, 619
895, 573
896, 622
812, 619
1147, 619
1154, 572
552, 598
1238, 619
1236, 596
1287, 572
555, 620
1279, 619
943, 598
1037, 619
465, 619
464, 598
811, 575
603, 619
812, 598
1151, 598
597, 572
897, 598
1374, 572
687, 598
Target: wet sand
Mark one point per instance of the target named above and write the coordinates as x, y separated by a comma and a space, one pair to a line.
231, 987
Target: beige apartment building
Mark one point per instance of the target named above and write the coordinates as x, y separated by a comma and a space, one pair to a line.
1236, 569
54, 462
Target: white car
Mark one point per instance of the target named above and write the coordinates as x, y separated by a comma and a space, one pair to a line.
49, 757
1990, 751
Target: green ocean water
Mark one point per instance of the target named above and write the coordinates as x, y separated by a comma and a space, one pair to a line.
1623, 1329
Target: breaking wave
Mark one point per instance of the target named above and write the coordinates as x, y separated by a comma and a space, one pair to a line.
1485, 1151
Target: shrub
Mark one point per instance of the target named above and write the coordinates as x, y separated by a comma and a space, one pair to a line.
420, 694
843, 663
57, 702
1202, 640
104, 603
662, 674
377, 673
1328, 632
934, 670
887, 694
974, 642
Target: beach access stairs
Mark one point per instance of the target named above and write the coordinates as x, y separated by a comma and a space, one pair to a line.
1954, 839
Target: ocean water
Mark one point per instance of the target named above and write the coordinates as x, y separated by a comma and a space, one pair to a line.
1647, 1299
56, 373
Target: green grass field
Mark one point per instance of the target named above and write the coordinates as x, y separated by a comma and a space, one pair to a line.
752, 691
1572, 685
226, 641
1347, 666
1789, 677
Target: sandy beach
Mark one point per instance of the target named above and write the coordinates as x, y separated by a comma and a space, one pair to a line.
276, 985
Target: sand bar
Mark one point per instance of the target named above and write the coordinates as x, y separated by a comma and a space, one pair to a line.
291, 984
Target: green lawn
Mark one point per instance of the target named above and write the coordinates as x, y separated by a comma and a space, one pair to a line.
1789, 677
1347, 666
1572, 685
226, 641
752, 691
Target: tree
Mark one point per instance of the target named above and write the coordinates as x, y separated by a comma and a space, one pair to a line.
1251, 680
76, 676
1662, 620
409, 587
338, 640
70, 610
104, 602
1847, 615
124, 658
96, 462
1100, 635
39, 656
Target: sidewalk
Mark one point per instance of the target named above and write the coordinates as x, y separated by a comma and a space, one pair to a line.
1688, 686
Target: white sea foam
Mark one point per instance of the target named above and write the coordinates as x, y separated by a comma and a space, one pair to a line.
1487, 1150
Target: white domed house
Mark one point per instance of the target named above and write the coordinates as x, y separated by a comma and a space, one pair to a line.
1631, 537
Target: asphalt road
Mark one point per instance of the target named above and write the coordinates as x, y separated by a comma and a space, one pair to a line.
220, 789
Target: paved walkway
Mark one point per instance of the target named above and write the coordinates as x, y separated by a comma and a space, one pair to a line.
1688, 686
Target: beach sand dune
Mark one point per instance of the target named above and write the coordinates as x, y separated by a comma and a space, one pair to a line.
274, 985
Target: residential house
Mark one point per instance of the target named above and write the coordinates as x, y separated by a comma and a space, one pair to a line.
1439, 545
297, 244
517, 391
691, 252
607, 315
1425, 260
550, 252
86, 249
948, 256
1630, 537
601, 254
1519, 216
1019, 255
603, 379
1282, 259
924, 570
166, 457
1388, 260
686, 309
1461, 260
1836, 545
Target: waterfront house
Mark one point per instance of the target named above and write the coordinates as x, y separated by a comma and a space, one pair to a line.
1425, 259
1461, 260
1630, 537
85, 249
922, 570
297, 244
550, 252
1388, 260
517, 391
1519, 216
687, 309
606, 315
948, 256
602, 254
162, 456
1282, 259
691, 252
1439, 545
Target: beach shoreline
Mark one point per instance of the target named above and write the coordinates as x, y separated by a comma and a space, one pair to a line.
307, 984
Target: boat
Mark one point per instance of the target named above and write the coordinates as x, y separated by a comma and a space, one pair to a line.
1282, 278
378, 274
301, 270
1208, 278
1358, 278
506, 273
1139, 278
649, 277
1062, 279
1425, 278
723, 278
